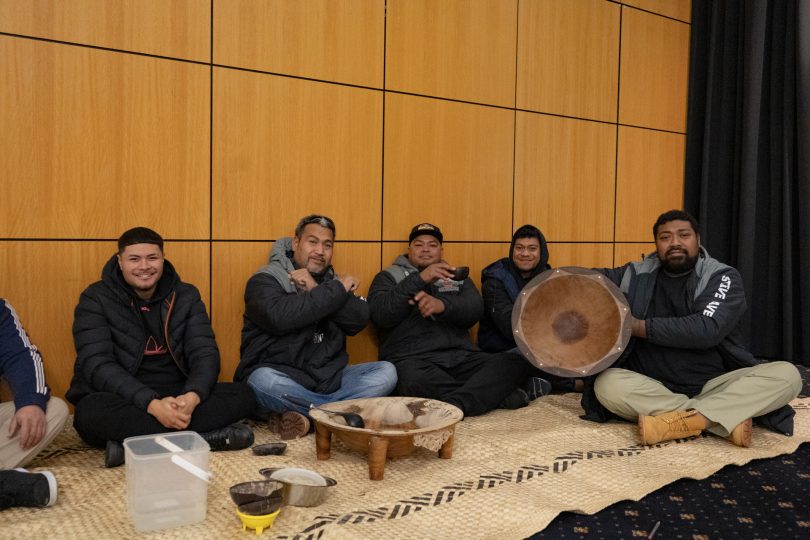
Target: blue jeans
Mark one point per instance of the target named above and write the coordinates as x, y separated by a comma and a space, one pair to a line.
371, 379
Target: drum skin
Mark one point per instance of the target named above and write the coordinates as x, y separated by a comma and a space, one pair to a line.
571, 322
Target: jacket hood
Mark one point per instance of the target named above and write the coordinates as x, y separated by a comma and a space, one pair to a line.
405, 263
280, 264
281, 253
704, 269
510, 266
112, 277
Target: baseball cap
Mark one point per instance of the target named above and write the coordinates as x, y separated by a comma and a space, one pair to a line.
426, 228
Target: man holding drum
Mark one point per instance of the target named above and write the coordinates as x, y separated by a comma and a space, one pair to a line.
423, 311
501, 282
685, 370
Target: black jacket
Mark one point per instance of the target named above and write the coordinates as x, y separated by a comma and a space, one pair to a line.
301, 334
403, 332
110, 337
501, 282
718, 303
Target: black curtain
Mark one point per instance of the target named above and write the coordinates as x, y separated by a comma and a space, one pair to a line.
747, 173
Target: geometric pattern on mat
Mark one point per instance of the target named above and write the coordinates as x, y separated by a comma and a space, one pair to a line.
511, 474
450, 492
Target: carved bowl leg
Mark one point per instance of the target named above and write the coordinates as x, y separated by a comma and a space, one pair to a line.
323, 441
377, 454
446, 450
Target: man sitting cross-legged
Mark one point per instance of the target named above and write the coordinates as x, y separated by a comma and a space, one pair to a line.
147, 361
685, 371
298, 313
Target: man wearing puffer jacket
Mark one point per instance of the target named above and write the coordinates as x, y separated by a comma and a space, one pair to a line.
297, 316
147, 361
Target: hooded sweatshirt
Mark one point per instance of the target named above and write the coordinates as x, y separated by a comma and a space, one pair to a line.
501, 282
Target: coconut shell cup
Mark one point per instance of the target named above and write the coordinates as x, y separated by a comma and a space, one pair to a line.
256, 491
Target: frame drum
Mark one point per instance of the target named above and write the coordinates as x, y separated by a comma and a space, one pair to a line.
571, 322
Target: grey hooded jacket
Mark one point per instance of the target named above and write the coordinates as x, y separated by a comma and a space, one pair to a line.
302, 334
718, 303
403, 332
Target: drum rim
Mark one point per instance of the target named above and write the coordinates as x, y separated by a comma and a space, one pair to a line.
623, 336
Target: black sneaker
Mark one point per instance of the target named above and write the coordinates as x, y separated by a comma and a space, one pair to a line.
113, 454
19, 487
233, 437
516, 400
536, 387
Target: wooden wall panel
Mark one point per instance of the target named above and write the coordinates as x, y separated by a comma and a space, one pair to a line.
568, 58
43, 281
234, 262
584, 255
650, 180
654, 71
176, 28
449, 164
677, 9
564, 177
625, 253
321, 39
460, 49
285, 148
94, 142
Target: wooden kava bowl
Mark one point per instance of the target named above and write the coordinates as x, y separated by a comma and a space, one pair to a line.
394, 427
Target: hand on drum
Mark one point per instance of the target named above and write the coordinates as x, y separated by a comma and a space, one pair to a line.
638, 327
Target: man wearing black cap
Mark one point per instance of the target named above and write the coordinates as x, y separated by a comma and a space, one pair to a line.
423, 316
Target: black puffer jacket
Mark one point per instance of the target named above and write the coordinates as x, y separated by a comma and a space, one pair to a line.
110, 337
301, 334
403, 331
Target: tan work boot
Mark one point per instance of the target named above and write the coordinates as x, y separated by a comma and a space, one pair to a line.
290, 425
670, 425
741, 434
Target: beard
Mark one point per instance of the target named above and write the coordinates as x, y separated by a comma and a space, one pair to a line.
680, 265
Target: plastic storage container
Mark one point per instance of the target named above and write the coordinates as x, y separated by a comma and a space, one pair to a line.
161, 492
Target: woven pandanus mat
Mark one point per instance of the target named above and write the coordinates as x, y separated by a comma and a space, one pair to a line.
511, 473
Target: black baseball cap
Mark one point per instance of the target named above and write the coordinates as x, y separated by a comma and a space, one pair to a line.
426, 228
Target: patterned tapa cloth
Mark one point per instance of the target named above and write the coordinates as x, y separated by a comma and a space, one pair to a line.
511, 473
